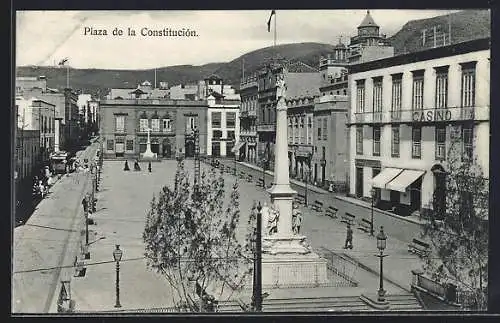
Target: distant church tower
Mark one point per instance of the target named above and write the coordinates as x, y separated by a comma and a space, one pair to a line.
369, 44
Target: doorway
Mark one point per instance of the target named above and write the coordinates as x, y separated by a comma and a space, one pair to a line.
415, 194
189, 148
167, 149
359, 181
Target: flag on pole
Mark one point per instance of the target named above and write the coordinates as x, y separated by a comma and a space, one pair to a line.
63, 61
269, 21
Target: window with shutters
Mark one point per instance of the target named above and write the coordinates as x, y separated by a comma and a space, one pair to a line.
441, 87
395, 141
130, 145
416, 146
155, 125
360, 96
319, 129
143, 125
376, 141
359, 140
216, 119
167, 125
377, 99
120, 124
110, 144
468, 88
468, 139
325, 133
397, 90
231, 119
217, 134
418, 90
440, 142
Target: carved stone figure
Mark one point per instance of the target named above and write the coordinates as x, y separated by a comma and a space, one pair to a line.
296, 219
272, 221
280, 87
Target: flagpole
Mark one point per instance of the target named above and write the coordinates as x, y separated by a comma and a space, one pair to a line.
275, 15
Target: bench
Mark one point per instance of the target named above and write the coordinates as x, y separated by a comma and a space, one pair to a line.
317, 206
331, 212
419, 247
365, 225
300, 198
249, 178
347, 218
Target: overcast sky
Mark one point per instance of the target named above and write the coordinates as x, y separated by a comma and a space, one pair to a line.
43, 37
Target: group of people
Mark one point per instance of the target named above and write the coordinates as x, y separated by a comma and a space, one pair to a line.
137, 167
41, 183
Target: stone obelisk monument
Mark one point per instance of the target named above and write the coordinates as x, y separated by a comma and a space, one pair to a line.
148, 154
287, 259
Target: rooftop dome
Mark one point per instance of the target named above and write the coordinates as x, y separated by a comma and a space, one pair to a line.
368, 21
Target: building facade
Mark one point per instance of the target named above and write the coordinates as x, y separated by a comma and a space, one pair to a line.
404, 113
39, 116
124, 125
330, 158
249, 93
300, 79
223, 127
300, 136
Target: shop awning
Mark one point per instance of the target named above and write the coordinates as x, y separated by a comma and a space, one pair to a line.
385, 176
405, 179
237, 147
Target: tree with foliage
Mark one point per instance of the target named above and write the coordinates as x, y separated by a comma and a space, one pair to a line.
458, 230
191, 239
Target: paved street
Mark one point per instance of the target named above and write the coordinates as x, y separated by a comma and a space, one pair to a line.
41, 245
121, 211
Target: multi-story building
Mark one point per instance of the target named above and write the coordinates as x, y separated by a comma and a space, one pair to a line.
249, 93
300, 135
369, 44
299, 78
404, 113
66, 132
40, 116
124, 124
330, 157
223, 126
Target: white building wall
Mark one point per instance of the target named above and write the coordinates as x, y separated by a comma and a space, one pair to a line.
427, 160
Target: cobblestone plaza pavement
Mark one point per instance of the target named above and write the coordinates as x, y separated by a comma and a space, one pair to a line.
123, 201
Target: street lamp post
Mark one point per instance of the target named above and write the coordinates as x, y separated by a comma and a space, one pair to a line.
257, 277
381, 244
264, 161
117, 255
371, 222
305, 195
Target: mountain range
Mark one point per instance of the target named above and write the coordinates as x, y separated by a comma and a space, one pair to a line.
465, 25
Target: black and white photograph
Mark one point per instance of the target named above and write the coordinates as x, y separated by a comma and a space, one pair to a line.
246, 161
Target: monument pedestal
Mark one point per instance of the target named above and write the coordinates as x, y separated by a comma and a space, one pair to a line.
288, 261
148, 154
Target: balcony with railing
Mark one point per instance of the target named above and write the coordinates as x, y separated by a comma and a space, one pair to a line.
423, 115
266, 127
248, 81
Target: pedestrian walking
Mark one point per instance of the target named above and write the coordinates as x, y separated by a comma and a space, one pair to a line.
137, 167
149, 167
85, 204
126, 168
348, 239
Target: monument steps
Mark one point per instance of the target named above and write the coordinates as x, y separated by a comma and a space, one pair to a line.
402, 302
